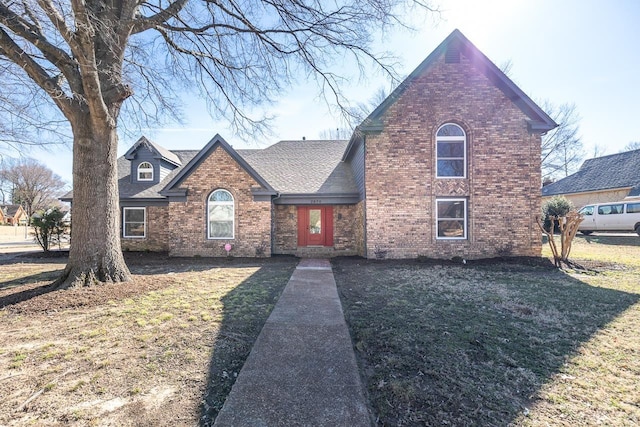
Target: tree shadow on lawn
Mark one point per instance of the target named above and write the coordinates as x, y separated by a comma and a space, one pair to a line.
632, 239
249, 299
465, 345
45, 276
245, 311
139, 263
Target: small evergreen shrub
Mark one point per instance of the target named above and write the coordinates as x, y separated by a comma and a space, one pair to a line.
556, 206
49, 228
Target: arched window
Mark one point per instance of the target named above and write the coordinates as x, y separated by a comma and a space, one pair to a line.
451, 152
145, 171
220, 214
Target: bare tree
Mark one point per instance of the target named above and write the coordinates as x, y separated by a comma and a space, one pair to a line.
599, 150
562, 149
32, 184
88, 57
337, 133
634, 145
355, 115
362, 110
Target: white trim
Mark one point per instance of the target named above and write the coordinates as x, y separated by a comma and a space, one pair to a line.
463, 139
233, 219
145, 169
124, 223
465, 222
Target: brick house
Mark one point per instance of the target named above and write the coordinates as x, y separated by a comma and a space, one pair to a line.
13, 215
448, 165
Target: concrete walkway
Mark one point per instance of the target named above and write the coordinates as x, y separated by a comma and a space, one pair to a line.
302, 369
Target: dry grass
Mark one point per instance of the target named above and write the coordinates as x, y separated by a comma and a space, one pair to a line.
499, 343
148, 356
621, 249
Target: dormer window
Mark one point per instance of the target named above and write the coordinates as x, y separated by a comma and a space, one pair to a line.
145, 171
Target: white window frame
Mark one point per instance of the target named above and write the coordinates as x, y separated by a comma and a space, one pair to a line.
124, 222
145, 169
465, 222
233, 216
458, 138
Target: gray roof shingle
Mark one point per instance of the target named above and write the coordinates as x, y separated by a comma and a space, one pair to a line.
9, 210
290, 167
138, 190
620, 170
304, 167
167, 155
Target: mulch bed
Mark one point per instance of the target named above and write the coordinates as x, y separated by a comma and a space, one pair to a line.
41, 297
151, 271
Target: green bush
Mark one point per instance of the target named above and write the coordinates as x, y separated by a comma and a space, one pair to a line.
556, 206
49, 228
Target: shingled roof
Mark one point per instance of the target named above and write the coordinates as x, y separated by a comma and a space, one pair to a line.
310, 167
9, 211
140, 190
620, 170
160, 151
304, 167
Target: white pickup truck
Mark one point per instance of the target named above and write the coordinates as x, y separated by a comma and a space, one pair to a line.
616, 216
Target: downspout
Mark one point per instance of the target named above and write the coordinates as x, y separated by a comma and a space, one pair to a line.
364, 195
273, 222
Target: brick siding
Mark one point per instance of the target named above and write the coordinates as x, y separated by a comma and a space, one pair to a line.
346, 232
503, 176
157, 233
188, 223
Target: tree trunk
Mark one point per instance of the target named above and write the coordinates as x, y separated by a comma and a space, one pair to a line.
96, 255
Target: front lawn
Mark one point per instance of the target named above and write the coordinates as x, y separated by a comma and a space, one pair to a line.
499, 343
149, 352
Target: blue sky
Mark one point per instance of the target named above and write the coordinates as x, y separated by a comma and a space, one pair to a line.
567, 51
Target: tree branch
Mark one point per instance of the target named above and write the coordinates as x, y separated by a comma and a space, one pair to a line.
86, 56
39, 75
33, 34
143, 24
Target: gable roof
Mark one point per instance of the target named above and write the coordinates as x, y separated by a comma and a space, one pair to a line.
128, 189
142, 190
539, 121
620, 170
311, 168
305, 167
161, 152
216, 141
9, 211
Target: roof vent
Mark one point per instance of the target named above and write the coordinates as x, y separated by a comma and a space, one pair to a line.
452, 55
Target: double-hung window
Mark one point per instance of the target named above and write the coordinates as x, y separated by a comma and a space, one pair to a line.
134, 222
451, 152
220, 214
451, 218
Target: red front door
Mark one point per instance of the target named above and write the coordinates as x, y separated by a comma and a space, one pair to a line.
315, 225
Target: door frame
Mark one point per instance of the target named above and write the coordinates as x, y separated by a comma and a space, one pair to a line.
326, 212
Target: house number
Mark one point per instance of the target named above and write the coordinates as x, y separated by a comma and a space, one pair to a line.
315, 201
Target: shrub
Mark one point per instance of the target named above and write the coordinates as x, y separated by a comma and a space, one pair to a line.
49, 228
556, 206
565, 221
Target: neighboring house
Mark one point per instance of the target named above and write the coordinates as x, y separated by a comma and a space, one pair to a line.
13, 215
448, 165
602, 179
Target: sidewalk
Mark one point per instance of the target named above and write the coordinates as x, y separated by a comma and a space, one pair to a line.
302, 369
